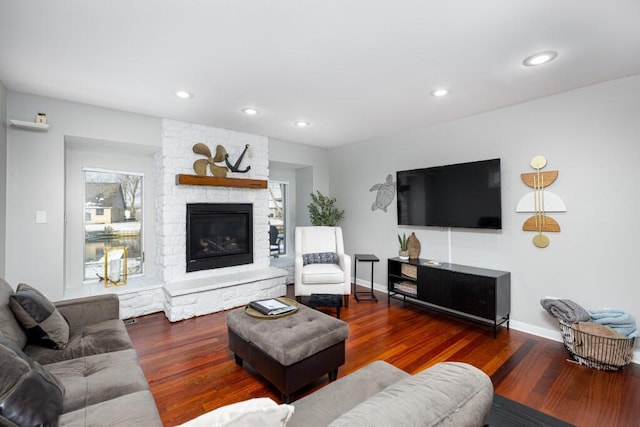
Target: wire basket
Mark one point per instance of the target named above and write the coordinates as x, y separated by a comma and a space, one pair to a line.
596, 351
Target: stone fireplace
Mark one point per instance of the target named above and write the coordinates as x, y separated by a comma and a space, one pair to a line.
217, 286
219, 235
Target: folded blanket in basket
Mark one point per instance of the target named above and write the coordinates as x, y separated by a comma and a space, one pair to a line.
565, 309
596, 347
620, 321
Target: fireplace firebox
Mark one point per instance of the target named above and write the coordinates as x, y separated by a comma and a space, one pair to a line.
219, 235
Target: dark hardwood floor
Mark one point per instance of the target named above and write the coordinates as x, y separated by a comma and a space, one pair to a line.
191, 371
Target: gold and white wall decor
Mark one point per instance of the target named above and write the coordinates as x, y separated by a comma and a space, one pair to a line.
540, 201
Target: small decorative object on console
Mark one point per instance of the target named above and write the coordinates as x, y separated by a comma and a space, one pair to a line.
413, 246
404, 252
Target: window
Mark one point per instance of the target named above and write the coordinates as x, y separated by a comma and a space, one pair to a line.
277, 218
113, 217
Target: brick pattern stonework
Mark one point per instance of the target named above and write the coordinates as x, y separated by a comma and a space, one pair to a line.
177, 157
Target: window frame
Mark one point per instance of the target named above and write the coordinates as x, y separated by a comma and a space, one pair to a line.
142, 220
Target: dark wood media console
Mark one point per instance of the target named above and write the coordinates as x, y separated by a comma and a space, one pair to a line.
477, 294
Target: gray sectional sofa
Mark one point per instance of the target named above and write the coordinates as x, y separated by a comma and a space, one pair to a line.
91, 379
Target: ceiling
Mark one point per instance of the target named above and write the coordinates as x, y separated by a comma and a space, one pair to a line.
355, 69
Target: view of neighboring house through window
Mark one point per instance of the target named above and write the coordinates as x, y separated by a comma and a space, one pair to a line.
277, 218
113, 217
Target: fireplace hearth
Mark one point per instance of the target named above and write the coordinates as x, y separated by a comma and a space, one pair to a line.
219, 235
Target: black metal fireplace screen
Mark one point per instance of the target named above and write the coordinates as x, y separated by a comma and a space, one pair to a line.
219, 235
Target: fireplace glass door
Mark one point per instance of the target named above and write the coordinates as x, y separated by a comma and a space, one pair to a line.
219, 235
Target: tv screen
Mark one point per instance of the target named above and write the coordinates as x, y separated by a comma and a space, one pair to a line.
461, 195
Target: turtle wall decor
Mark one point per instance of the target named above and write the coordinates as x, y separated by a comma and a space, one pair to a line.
385, 194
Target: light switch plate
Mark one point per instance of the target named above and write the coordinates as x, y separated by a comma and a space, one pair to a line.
41, 217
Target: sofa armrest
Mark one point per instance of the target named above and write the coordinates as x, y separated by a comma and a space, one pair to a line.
90, 310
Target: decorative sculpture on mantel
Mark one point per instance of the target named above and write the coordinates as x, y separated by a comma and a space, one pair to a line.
200, 166
540, 201
235, 167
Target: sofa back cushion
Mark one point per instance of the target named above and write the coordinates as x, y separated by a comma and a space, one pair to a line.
29, 394
9, 326
39, 317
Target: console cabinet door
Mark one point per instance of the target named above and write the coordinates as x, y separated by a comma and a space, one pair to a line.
475, 295
434, 286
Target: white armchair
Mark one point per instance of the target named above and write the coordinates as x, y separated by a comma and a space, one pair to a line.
327, 273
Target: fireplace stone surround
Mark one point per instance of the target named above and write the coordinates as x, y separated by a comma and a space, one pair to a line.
188, 294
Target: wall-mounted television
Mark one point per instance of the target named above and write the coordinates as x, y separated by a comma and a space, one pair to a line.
461, 195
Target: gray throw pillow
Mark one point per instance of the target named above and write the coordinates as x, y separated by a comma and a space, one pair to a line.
30, 394
39, 317
320, 258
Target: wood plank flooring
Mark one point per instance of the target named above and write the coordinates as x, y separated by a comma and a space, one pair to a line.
191, 371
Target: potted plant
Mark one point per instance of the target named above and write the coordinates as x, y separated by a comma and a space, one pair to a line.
322, 210
404, 249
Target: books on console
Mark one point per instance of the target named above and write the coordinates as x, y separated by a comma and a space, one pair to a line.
271, 307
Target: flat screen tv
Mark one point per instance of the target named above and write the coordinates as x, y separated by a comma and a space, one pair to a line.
461, 195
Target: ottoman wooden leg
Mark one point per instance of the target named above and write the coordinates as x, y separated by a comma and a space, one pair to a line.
333, 375
238, 359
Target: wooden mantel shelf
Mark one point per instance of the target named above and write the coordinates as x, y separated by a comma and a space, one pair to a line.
216, 181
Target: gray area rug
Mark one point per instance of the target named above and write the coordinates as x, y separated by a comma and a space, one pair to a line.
508, 413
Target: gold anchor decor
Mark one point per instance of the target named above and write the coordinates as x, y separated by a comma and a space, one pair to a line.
540, 201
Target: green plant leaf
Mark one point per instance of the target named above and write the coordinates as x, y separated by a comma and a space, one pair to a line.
322, 210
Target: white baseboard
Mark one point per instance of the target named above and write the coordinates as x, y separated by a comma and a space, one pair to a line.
518, 326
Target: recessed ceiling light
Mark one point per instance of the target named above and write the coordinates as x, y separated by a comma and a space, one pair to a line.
184, 94
540, 58
249, 111
302, 124
440, 92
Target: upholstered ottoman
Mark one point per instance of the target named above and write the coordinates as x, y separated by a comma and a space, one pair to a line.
290, 351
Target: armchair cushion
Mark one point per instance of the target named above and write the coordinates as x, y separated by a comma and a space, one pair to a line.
322, 274
39, 317
320, 258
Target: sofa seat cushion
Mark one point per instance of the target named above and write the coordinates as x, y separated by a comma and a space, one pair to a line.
97, 338
9, 326
94, 379
291, 338
447, 394
322, 274
39, 316
29, 394
330, 402
135, 409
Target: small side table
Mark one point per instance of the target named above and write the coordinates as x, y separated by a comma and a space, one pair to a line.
369, 294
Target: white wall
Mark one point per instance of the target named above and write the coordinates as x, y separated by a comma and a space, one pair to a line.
311, 165
3, 175
591, 136
35, 180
